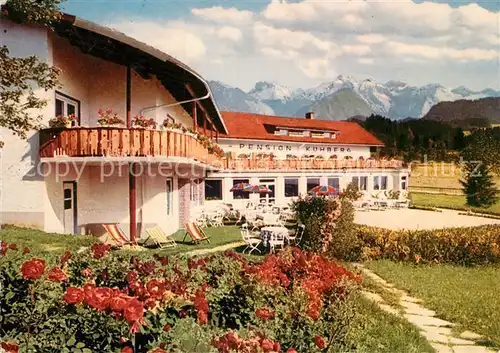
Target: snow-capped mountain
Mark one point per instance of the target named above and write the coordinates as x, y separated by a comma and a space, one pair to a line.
393, 99
234, 99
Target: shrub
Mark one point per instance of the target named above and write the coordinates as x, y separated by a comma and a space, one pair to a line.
462, 246
62, 303
329, 225
352, 192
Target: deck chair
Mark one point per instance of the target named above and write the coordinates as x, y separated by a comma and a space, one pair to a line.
114, 235
195, 233
159, 238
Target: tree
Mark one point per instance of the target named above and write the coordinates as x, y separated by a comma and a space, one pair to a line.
478, 185
19, 77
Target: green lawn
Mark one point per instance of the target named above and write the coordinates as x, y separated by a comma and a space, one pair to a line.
449, 201
375, 331
38, 241
469, 297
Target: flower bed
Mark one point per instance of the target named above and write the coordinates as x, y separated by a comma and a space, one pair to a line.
103, 301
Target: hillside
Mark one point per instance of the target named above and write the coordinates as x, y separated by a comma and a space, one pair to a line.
472, 112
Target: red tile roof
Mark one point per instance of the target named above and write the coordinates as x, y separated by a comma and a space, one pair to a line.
253, 126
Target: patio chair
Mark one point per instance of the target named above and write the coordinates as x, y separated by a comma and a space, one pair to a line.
114, 235
297, 237
251, 242
216, 220
159, 238
196, 234
276, 241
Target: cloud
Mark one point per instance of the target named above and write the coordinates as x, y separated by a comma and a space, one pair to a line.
370, 38
366, 61
224, 15
229, 33
356, 49
175, 38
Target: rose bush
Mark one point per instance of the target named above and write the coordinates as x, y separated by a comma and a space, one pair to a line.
104, 301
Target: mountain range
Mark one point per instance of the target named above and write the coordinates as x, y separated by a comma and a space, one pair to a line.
342, 98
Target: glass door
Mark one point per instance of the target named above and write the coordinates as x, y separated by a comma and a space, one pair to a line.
269, 197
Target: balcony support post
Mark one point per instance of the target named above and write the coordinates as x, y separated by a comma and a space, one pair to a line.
132, 201
128, 100
195, 117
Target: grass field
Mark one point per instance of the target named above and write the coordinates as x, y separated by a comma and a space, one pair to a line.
437, 175
449, 201
466, 296
38, 241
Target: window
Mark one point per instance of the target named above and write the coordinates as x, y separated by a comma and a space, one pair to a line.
376, 183
213, 189
270, 183
334, 182
312, 182
239, 194
66, 105
68, 198
403, 183
169, 195
383, 183
291, 187
195, 191
361, 182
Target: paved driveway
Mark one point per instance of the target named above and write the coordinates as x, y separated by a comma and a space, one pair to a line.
419, 219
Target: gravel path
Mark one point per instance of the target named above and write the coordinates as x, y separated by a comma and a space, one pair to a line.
419, 219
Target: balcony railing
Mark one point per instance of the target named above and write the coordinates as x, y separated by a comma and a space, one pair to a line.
300, 164
120, 142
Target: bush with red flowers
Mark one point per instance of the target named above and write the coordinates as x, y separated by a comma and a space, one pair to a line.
158, 304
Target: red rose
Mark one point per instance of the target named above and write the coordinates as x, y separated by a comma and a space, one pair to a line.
134, 310
65, 257
74, 295
86, 272
155, 288
13, 247
264, 313
132, 277
202, 317
33, 269
158, 350
119, 302
104, 275
319, 342
167, 327
57, 275
9, 347
267, 345
99, 250
26, 251
291, 350
127, 349
277, 347
101, 298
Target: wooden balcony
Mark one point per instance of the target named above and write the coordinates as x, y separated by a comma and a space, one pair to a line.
302, 164
120, 142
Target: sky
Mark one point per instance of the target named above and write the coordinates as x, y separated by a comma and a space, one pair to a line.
302, 43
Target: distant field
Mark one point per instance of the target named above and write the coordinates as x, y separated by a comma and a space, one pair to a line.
456, 202
437, 177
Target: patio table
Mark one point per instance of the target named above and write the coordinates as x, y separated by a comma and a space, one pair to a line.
278, 232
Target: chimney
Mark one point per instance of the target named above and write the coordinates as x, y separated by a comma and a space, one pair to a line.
310, 115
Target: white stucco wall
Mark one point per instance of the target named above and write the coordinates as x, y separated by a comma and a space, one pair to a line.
21, 186
97, 83
283, 148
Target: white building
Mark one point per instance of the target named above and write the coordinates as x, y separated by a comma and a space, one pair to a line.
292, 155
66, 180
72, 179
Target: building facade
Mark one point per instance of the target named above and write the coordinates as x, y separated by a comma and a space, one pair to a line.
66, 180
292, 155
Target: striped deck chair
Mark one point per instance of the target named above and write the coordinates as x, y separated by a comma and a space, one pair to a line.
115, 235
159, 238
195, 233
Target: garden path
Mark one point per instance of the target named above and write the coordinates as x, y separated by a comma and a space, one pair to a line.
216, 249
438, 332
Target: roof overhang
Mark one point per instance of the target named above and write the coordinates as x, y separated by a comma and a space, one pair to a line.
108, 44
